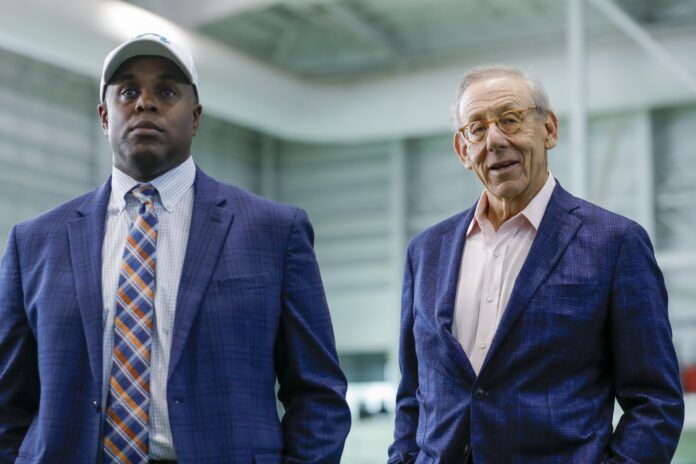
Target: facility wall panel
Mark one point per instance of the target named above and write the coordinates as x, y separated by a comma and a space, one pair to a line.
438, 186
228, 152
675, 177
345, 190
615, 156
674, 140
49, 138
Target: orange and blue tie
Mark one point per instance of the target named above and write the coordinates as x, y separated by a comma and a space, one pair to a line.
126, 426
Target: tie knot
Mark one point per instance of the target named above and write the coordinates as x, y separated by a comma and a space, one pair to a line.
145, 193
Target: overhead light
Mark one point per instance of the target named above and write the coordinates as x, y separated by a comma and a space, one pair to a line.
124, 21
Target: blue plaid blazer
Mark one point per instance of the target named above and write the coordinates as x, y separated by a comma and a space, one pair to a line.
250, 309
586, 324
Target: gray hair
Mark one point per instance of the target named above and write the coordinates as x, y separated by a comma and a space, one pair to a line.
491, 71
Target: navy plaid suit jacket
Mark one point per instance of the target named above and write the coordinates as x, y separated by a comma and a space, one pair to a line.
251, 308
586, 324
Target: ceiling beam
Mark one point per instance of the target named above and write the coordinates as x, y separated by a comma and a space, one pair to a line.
196, 14
363, 27
643, 38
211, 10
287, 42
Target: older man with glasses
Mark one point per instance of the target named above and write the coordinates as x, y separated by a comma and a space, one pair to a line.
525, 317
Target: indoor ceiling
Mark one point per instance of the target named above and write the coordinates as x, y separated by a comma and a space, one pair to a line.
362, 38
336, 71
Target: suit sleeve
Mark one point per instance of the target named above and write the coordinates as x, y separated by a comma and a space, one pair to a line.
404, 448
19, 379
646, 373
312, 385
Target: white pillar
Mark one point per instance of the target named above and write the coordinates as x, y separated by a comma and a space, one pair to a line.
646, 174
397, 233
577, 64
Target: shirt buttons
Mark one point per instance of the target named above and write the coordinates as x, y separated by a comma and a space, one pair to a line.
483, 345
490, 299
496, 253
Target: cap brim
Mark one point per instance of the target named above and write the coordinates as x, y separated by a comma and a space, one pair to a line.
144, 47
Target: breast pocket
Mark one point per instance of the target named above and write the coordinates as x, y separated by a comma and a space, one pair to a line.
240, 317
581, 300
242, 282
566, 320
249, 297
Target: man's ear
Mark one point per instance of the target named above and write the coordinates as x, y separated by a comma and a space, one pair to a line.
104, 118
460, 147
551, 125
197, 111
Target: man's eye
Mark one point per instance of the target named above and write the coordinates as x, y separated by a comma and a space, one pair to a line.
509, 119
167, 92
477, 128
129, 92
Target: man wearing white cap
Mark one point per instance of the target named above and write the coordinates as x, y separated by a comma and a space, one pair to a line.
148, 320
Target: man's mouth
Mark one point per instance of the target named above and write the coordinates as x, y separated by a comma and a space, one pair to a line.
146, 126
502, 165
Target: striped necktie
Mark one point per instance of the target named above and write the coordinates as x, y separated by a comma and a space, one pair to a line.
126, 427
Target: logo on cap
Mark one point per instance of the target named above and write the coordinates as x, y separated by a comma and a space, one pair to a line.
162, 38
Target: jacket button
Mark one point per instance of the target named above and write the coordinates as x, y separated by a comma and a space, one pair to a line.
96, 406
479, 394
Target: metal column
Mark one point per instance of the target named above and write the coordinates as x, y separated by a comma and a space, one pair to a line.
646, 173
398, 238
577, 64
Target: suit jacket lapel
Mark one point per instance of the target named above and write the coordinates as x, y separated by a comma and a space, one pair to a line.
210, 224
85, 237
556, 230
451, 249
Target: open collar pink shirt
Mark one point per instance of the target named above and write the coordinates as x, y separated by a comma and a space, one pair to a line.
491, 262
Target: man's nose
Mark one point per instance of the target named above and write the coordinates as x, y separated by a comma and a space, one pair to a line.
495, 139
146, 102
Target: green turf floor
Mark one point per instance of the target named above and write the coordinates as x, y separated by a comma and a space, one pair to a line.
686, 452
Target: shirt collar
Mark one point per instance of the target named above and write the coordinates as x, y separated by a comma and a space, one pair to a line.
171, 186
533, 212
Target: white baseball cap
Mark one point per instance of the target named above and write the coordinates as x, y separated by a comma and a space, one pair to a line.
149, 44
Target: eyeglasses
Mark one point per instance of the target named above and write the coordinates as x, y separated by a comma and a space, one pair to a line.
509, 122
